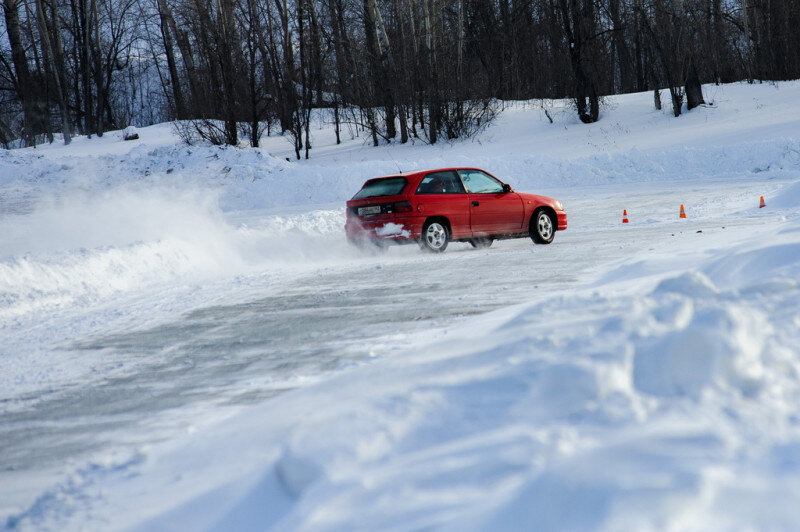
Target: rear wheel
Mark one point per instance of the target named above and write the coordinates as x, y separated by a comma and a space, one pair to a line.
435, 236
481, 243
543, 228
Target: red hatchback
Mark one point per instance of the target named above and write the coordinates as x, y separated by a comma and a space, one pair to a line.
434, 207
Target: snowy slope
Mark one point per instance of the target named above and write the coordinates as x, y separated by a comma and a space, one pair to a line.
653, 386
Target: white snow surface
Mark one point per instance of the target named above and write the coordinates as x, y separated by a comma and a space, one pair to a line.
187, 342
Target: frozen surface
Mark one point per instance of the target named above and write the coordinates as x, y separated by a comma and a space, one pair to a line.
187, 341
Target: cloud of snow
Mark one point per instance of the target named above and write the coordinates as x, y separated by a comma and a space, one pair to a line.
85, 247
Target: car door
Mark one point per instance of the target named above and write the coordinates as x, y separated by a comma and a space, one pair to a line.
441, 193
493, 211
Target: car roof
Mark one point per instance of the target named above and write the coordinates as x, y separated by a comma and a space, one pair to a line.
413, 173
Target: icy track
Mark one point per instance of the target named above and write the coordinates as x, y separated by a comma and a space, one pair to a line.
187, 343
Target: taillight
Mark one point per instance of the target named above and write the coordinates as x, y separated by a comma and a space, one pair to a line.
402, 206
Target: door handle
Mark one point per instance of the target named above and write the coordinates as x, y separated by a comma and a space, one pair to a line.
475, 203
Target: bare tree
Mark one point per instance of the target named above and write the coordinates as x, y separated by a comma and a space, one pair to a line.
580, 28
23, 84
428, 69
52, 48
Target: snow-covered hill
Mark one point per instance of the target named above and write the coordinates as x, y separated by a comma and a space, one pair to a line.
158, 302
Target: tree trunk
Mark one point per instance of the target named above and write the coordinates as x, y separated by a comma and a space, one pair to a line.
429, 45
86, 67
61, 72
39, 83
98, 69
226, 56
54, 63
676, 95
288, 100
23, 81
255, 117
578, 21
336, 18
336, 124
185, 47
694, 91
316, 69
623, 56
378, 53
177, 93
305, 111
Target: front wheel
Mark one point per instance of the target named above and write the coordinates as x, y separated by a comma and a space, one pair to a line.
435, 236
542, 229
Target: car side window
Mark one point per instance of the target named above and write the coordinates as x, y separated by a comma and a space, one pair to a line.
440, 183
478, 182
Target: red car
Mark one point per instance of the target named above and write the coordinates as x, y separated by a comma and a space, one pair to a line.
434, 207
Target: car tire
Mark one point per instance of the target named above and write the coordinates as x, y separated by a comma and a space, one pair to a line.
435, 236
543, 227
481, 243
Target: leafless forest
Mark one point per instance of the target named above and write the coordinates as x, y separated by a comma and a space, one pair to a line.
233, 70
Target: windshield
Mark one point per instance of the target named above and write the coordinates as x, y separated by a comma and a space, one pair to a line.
390, 186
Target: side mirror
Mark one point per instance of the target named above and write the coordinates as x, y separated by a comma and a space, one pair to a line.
506, 187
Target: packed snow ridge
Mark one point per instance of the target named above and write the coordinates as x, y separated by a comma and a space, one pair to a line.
637, 376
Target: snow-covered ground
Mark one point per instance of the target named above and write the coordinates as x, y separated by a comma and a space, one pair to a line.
187, 342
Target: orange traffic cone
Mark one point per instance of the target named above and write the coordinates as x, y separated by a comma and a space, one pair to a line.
625, 216
761, 204
683, 212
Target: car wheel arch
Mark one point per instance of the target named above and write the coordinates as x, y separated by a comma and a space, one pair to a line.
441, 219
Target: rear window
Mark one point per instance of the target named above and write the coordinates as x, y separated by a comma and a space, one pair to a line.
391, 186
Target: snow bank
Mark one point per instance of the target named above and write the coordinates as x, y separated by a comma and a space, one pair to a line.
252, 179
